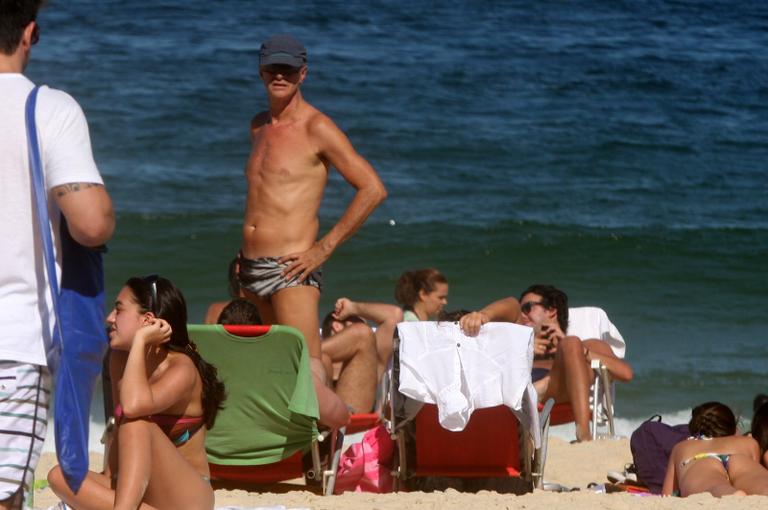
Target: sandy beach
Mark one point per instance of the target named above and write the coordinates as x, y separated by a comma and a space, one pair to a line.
572, 465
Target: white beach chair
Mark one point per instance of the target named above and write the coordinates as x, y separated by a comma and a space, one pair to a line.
590, 322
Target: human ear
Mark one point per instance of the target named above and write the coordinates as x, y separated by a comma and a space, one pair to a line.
26, 36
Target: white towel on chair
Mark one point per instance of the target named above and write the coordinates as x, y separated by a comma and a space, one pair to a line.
440, 365
588, 322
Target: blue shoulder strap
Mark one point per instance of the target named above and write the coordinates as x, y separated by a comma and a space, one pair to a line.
53, 350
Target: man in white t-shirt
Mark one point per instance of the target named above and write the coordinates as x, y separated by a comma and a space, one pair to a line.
76, 190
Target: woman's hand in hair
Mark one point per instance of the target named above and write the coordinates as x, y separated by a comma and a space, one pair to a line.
157, 332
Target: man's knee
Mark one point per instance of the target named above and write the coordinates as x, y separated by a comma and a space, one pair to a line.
570, 347
56, 478
366, 339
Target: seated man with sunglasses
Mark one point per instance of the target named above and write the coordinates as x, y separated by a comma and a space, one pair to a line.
561, 367
294, 147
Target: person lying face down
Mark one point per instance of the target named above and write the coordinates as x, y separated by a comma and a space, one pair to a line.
716, 458
354, 353
168, 397
561, 368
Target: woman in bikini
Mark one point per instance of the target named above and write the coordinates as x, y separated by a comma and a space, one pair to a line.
167, 397
715, 458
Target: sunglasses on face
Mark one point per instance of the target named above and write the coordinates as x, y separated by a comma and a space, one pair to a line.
151, 280
528, 306
285, 70
35, 34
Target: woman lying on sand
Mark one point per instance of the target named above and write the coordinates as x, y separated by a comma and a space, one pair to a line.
715, 459
168, 396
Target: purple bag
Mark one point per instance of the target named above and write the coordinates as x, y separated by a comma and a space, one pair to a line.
651, 445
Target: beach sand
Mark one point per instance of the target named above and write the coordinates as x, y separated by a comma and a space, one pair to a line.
572, 465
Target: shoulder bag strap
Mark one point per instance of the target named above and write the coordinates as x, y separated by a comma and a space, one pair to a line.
41, 204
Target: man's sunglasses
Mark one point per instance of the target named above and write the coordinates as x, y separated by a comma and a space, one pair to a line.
35, 34
528, 306
284, 69
151, 280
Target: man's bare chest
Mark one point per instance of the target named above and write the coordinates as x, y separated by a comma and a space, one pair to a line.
284, 155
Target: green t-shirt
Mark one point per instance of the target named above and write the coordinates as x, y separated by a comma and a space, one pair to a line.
271, 409
410, 316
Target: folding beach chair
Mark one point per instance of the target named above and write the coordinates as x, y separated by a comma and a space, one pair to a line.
267, 432
590, 322
497, 442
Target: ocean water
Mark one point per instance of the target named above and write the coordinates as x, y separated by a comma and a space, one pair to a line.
615, 149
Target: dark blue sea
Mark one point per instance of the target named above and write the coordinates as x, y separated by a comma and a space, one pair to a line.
616, 149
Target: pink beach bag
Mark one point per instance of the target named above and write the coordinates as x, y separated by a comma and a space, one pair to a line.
366, 466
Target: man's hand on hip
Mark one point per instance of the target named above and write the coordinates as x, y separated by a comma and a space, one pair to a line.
302, 264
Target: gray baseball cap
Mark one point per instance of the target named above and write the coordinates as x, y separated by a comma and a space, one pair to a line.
282, 49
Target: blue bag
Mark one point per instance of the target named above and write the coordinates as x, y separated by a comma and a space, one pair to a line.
79, 340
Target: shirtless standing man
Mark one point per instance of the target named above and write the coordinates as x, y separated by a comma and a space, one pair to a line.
294, 146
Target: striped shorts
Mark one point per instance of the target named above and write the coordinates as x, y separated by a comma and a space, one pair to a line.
24, 393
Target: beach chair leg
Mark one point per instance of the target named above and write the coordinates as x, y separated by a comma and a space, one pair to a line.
316, 471
607, 400
540, 455
595, 394
329, 475
401, 466
526, 453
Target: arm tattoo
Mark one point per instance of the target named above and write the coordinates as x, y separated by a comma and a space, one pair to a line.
73, 187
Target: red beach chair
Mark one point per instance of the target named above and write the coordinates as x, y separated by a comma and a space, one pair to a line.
493, 444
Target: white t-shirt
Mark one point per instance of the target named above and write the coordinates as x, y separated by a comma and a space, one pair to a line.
440, 365
65, 147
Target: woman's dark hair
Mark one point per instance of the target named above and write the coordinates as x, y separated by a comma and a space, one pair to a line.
760, 429
411, 283
166, 301
551, 297
712, 419
758, 401
452, 316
